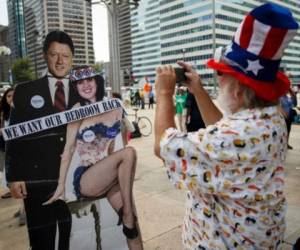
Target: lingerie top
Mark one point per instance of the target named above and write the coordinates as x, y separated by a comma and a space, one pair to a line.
93, 142
101, 129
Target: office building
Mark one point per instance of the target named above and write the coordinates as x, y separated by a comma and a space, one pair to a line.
125, 43
145, 37
192, 30
17, 39
122, 40
5, 57
41, 17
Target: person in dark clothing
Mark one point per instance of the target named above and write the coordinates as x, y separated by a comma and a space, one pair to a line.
137, 98
116, 95
193, 116
151, 99
288, 102
5, 106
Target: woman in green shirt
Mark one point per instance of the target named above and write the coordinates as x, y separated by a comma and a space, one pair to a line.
180, 100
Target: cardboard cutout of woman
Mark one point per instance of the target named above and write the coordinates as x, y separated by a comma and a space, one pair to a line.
101, 172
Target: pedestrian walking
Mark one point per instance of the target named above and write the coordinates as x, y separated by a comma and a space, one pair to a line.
142, 99
288, 102
234, 169
137, 98
151, 100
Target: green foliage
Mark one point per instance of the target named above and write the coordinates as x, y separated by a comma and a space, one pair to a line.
98, 66
22, 71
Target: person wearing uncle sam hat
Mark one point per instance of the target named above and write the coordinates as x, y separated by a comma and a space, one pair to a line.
255, 53
233, 170
105, 169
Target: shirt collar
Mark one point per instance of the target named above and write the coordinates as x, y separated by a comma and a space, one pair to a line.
52, 80
256, 113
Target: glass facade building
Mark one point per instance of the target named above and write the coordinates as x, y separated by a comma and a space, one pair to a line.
125, 43
145, 34
17, 38
5, 59
193, 29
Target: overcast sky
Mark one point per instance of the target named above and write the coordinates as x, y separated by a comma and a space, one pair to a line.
3, 12
100, 27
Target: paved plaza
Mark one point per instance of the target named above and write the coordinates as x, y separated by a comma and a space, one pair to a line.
159, 205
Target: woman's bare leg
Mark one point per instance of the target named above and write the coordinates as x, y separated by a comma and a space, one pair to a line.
120, 167
115, 175
114, 198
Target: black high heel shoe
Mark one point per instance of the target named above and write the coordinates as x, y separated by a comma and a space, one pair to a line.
130, 233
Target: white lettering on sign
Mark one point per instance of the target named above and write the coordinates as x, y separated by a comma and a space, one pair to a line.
58, 119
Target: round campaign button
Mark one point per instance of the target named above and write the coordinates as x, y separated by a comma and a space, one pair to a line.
37, 101
88, 136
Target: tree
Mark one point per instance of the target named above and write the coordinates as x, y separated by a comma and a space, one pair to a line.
98, 66
22, 71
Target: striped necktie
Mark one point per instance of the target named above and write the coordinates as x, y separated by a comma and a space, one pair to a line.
59, 97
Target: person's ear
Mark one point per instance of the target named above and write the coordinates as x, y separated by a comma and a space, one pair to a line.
234, 88
238, 93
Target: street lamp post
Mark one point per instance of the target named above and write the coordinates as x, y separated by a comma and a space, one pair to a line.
114, 37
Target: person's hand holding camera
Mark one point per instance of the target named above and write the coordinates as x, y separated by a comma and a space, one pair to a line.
165, 81
193, 81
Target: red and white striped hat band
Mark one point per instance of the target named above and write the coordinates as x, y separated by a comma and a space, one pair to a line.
258, 45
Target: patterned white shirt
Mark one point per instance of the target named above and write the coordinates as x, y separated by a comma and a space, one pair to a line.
234, 175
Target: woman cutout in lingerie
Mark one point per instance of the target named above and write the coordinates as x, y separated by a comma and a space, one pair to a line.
102, 172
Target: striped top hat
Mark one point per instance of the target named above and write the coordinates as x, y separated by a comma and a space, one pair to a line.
254, 55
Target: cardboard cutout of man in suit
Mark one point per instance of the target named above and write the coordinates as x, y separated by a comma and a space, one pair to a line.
33, 161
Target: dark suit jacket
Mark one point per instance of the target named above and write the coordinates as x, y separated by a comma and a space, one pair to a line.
37, 156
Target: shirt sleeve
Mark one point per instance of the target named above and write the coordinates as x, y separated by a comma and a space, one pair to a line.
230, 159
